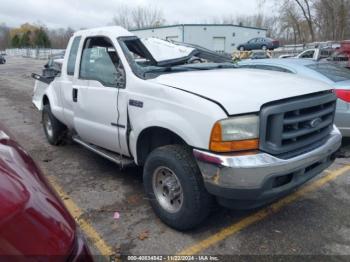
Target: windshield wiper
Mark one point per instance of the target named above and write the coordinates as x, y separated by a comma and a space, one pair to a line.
210, 67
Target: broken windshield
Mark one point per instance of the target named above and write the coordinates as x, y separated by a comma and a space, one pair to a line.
151, 57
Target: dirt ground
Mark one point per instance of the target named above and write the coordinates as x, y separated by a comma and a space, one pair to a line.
316, 223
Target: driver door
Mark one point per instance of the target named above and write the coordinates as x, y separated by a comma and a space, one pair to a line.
95, 94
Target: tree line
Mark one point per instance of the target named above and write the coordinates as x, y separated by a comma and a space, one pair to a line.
28, 35
34, 36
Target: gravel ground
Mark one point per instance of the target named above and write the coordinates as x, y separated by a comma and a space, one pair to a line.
317, 224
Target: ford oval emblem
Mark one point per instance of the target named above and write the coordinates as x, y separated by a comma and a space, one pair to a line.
316, 122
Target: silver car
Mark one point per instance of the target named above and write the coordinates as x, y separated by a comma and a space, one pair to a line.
336, 76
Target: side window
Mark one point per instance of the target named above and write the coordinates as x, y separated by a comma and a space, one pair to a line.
73, 56
308, 54
325, 53
101, 62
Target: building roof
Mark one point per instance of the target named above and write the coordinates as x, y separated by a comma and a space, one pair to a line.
182, 25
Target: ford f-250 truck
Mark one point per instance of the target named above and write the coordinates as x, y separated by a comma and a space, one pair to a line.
200, 130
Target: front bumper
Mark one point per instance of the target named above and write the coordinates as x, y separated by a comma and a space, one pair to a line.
256, 179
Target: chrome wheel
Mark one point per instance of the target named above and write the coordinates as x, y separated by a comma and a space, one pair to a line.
48, 125
167, 189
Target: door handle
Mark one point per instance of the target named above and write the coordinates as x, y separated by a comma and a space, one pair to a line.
75, 95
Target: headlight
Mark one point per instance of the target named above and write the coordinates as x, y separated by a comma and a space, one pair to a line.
235, 134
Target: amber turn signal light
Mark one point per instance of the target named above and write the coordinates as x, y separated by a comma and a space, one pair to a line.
219, 146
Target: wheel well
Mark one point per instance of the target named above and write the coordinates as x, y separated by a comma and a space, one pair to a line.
152, 138
46, 100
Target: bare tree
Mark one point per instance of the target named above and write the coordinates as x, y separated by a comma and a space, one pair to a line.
290, 23
138, 17
60, 37
332, 19
305, 7
123, 17
316, 20
143, 17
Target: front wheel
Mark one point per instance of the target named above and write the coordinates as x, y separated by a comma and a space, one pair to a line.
175, 187
54, 130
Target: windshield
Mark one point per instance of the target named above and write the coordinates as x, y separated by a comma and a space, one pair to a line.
152, 57
331, 71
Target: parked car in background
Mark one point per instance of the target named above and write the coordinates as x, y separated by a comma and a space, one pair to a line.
313, 54
2, 59
263, 43
33, 220
336, 76
342, 55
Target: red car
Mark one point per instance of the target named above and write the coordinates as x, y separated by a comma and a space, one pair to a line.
342, 55
34, 223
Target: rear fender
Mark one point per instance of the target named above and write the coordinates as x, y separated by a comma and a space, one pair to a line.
40, 89
51, 91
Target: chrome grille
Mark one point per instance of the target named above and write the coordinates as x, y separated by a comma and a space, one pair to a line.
297, 125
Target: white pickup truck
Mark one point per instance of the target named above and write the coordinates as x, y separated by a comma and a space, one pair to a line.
201, 130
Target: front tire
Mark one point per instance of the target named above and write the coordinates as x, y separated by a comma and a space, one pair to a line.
54, 130
175, 187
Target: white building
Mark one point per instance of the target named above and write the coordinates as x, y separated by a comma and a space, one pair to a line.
220, 38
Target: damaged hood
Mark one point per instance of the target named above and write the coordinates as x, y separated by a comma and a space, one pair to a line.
242, 90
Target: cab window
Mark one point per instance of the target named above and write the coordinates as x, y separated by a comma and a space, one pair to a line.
101, 62
308, 54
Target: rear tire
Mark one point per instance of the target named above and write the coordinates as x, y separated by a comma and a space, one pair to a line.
175, 188
241, 48
264, 47
54, 130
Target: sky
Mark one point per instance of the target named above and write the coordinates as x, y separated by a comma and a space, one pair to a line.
93, 13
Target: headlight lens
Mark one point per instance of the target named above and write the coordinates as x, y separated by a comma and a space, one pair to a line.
235, 134
240, 128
